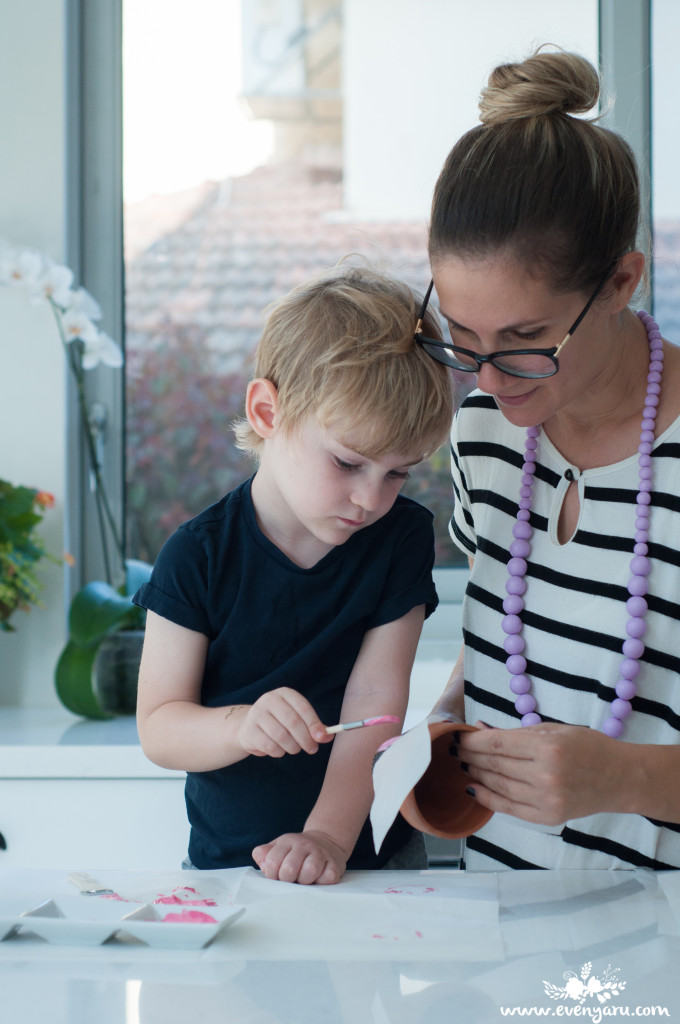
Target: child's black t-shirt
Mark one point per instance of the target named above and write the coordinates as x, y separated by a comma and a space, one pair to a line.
271, 623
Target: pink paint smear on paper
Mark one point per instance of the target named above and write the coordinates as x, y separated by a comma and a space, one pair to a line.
186, 897
183, 896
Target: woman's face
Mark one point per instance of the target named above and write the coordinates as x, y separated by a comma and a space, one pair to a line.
493, 304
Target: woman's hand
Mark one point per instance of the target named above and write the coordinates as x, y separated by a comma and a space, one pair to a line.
549, 773
310, 858
280, 722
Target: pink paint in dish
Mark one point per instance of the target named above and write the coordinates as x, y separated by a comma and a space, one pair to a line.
190, 917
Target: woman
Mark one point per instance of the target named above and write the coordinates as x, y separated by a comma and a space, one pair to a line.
566, 475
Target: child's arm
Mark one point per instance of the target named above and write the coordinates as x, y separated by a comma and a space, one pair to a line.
378, 685
176, 731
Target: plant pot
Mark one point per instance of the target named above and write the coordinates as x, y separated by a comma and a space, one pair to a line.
438, 803
116, 670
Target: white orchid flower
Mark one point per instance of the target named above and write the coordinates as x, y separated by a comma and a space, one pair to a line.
75, 313
77, 325
54, 283
20, 267
83, 302
102, 349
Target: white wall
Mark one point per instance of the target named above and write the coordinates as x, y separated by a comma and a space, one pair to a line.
32, 367
413, 71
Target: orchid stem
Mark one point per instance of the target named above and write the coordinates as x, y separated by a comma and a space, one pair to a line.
104, 513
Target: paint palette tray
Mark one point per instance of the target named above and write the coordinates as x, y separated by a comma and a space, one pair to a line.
91, 921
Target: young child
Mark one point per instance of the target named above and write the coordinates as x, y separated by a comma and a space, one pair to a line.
297, 601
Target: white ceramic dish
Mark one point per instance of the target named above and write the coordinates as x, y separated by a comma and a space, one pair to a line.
10, 911
79, 921
156, 930
72, 921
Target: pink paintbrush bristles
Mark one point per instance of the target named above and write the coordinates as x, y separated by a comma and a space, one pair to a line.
378, 720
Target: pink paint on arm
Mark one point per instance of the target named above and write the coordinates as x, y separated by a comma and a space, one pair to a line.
381, 720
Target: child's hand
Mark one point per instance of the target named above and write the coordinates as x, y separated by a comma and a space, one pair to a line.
281, 722
306, 857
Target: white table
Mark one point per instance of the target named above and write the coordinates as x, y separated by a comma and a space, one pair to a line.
438, 947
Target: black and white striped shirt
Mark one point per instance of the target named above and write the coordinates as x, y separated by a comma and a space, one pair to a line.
574, 621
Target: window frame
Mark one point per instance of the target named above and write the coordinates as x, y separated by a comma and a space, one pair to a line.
95, 213
95, 198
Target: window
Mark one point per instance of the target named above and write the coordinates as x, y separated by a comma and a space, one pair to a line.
403, 88
239, 184
288, 140
666, 195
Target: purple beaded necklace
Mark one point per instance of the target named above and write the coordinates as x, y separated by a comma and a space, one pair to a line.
636, 605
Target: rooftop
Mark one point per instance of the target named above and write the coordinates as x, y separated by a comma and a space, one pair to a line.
214, 258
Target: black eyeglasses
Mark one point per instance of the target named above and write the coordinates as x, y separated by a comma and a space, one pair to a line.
534, 363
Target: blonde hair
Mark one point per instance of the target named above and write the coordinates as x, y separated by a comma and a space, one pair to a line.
560, 192
544, 83
341, 347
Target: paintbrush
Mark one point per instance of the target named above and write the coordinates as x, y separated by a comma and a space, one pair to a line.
344, 726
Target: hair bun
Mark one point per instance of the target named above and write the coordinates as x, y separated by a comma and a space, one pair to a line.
544, 83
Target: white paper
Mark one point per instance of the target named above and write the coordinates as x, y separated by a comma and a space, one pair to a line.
373, 915
669, 883
395, 773
424, 916
172, 887
193, 889
575, 909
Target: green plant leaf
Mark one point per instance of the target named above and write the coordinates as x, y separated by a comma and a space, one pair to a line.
97, 610
73, 680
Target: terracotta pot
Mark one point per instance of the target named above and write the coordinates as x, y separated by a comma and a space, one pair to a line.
438, 803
